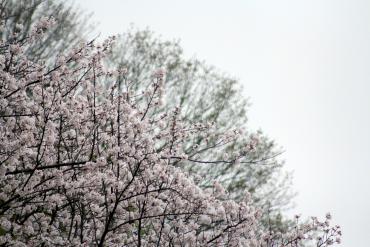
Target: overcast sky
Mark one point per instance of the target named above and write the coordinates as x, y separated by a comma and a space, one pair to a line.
305, 65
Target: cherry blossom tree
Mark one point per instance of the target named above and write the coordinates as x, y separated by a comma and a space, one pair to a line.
86, 163
202, 92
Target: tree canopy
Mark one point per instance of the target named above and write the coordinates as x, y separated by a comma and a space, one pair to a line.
131, 144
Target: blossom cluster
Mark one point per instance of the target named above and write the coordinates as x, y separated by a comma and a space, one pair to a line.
84, 162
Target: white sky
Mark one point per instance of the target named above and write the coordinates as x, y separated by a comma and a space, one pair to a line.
305, 66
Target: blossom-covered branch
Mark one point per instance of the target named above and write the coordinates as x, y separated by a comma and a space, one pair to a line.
86, 164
